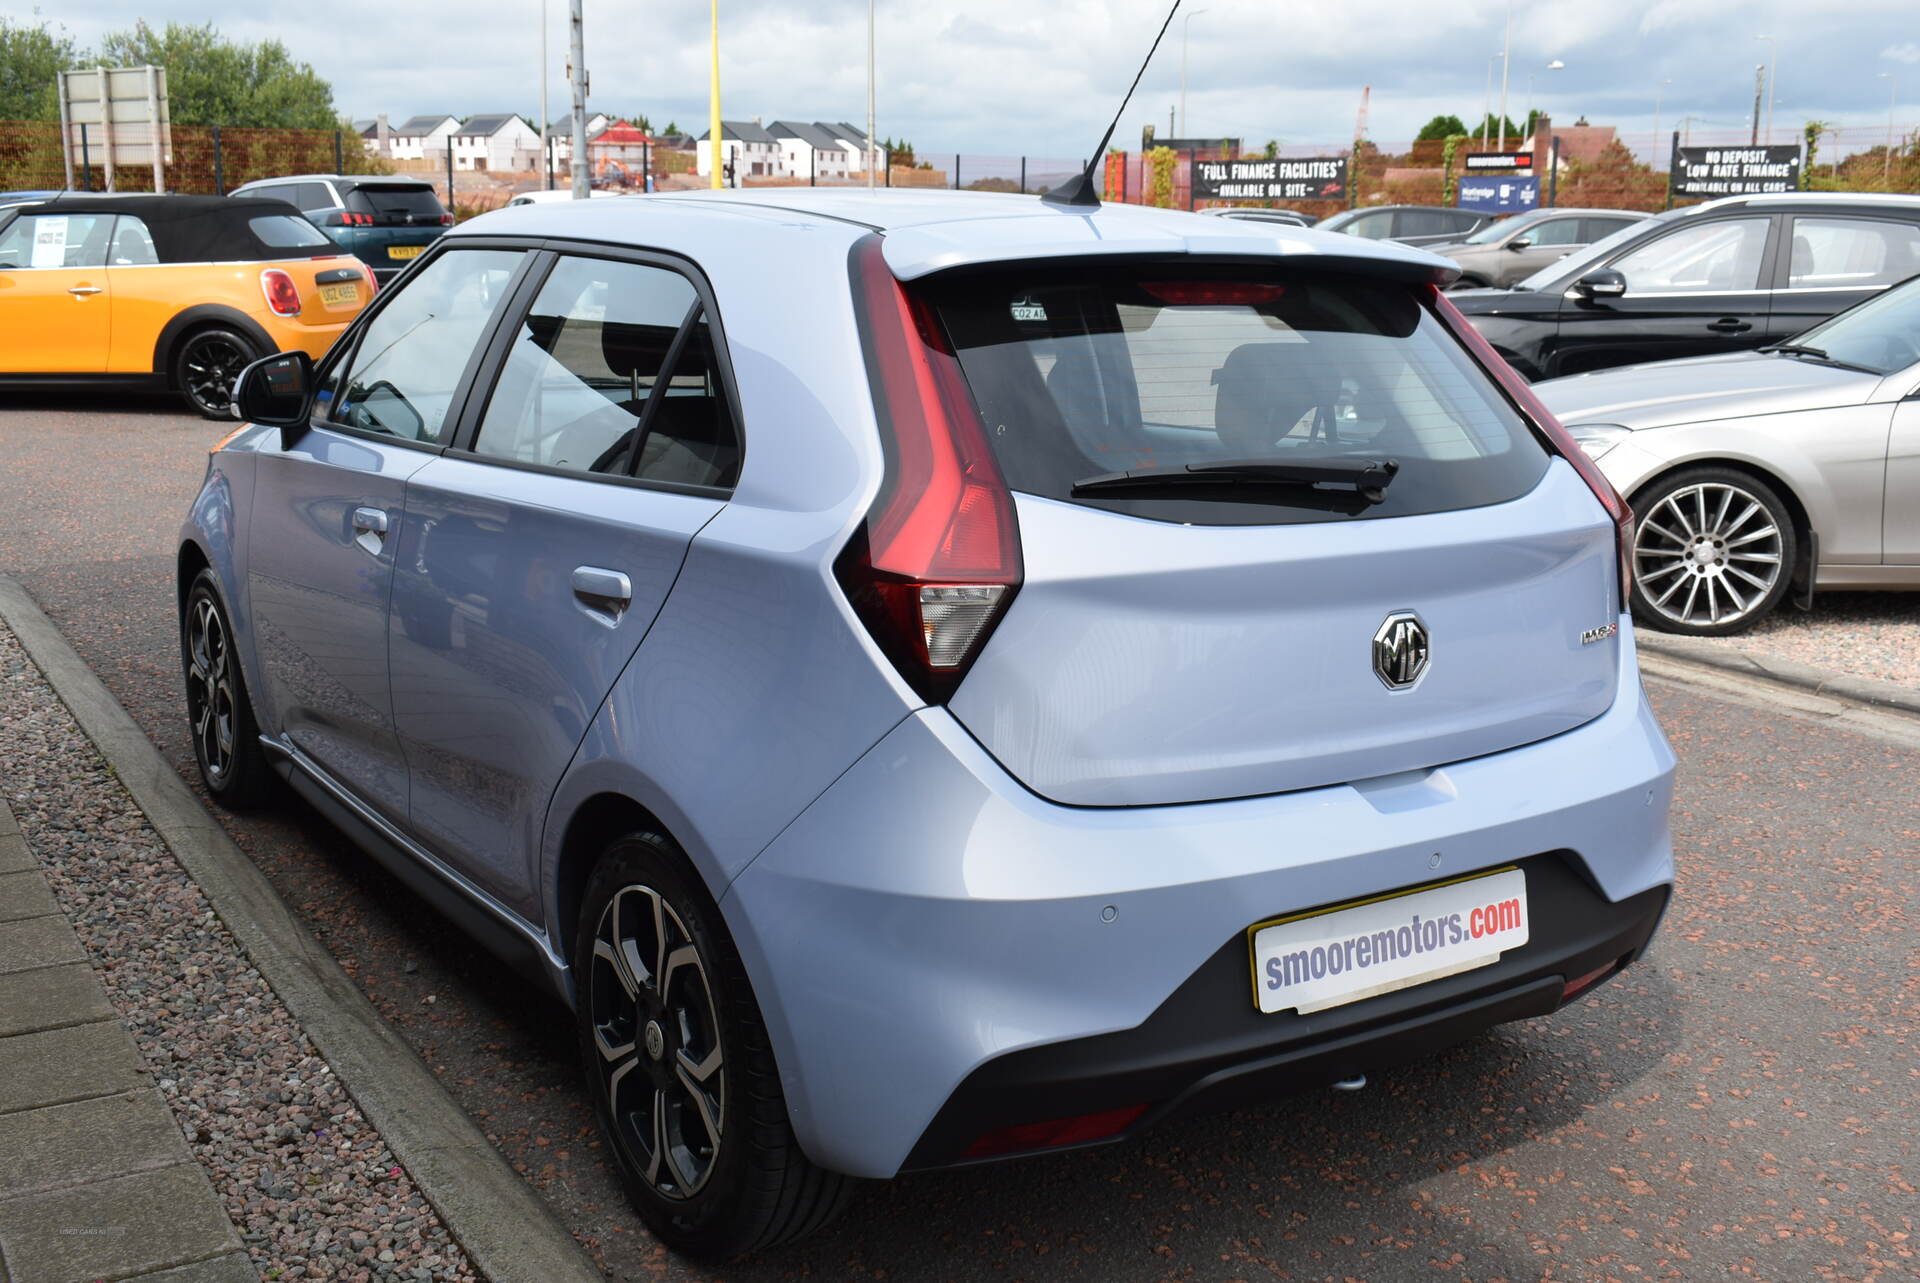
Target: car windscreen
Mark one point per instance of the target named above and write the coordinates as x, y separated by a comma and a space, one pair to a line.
1575, 264
1881, 335
401, 203
1085, 372
1495, 231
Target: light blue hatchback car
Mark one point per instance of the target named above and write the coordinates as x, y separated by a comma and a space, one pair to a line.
932, 677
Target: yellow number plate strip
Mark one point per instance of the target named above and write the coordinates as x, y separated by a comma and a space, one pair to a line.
340, 295
404, 251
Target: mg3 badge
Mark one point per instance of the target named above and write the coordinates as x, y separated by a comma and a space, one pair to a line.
1601, 633
1400, 650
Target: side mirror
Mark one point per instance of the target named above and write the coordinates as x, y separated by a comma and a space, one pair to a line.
277, 391
1520, 243
1601, 283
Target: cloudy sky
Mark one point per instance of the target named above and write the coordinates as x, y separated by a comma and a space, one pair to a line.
1042, 77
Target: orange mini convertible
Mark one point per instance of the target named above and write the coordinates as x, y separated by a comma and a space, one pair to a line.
180, 292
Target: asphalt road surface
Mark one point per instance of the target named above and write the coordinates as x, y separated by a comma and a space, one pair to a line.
1742, 1104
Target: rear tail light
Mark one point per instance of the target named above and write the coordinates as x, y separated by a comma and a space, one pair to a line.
1548, 429
1055, 1133
931, 570
373, 282
351, 218
446, 220
283, 296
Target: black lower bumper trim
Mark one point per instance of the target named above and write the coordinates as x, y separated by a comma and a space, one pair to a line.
1207, 1049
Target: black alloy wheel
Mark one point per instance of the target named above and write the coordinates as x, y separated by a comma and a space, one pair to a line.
226, 740
679, 1064
205, 367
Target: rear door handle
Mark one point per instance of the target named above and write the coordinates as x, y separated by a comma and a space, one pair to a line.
370, 529
82, 291
1730, 325
603, 595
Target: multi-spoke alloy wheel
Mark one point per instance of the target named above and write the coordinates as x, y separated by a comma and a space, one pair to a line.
1712, 553
680, 1065
658, 1036
226, 741
210, 702
208, 364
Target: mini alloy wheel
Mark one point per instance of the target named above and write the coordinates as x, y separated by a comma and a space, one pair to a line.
208, 364
658, 1036
1712, 553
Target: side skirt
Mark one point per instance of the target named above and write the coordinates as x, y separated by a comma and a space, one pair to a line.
501, 931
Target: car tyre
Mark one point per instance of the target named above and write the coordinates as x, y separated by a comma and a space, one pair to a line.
205, 365
679, 1064
226, 739
1713, 552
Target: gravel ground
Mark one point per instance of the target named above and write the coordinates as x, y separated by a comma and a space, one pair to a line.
309, 1184
1875, 635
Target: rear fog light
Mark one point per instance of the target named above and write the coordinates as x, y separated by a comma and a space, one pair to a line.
1055, 1133
1574, 988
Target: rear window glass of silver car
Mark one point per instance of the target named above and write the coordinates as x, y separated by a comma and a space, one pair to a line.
287, 231
1083, 372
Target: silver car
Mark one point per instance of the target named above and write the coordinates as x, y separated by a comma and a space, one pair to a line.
1755, 474
1506, 253
932, 677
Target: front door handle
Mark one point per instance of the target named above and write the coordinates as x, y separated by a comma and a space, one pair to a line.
370, 529
603, 595
1730, 325
81, 291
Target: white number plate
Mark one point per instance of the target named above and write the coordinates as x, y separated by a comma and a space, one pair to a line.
1323, 959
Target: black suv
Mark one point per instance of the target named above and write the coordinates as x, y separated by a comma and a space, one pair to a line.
1738, 272
383, 220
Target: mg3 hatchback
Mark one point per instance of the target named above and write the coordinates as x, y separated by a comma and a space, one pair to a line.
174, 291
928, 678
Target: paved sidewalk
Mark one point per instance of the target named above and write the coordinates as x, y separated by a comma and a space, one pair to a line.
96, 1182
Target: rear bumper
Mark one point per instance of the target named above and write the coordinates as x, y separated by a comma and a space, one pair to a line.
939, 953
1206, 1049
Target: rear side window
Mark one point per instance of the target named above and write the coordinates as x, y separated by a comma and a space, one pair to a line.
132, 244
287, 231
1851, 253
612, 358
1079, 373
1555, 231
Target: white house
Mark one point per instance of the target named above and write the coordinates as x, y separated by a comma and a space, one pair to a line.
421, 138
749, 148
811, 151
497, 142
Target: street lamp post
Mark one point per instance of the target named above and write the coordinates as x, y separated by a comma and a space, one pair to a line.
1555, 65
1186, 27
1659, 92
1893, 93
1506, 69
870, 157
1773, 72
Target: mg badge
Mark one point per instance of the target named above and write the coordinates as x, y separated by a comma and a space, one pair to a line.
1400, 650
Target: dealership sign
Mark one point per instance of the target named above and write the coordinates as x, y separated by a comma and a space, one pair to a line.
1499, 193
1316, 178
1735, 171
1499, 162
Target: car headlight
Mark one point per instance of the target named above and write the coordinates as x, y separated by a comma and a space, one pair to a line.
1598, 438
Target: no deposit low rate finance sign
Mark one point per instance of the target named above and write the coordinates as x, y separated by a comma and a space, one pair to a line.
1735, 171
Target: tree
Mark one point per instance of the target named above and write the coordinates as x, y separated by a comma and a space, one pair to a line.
1493, 123
1439, 129
900, 152
31, 55
215, 81
672, 130
1272, 150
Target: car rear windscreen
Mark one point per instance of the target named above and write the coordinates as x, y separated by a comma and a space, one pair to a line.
399, 202
1084, 372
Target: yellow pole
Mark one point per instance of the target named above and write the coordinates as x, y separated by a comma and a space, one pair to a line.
715, 148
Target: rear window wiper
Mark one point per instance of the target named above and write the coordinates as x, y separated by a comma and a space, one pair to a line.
1363, 481
1817, 354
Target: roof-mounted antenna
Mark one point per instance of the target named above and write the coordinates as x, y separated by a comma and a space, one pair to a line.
1079, 190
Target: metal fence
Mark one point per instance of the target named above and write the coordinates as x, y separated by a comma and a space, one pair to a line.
1624, 171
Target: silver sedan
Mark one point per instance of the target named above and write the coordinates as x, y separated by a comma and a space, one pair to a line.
1756, 474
